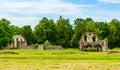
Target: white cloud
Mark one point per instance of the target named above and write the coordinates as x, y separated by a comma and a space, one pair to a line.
19, 21
98, 14
42, 7
27, 12
110, 1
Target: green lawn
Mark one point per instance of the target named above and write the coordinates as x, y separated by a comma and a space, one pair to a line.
70, 59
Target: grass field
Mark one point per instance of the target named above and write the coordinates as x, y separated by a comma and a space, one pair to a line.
70, 59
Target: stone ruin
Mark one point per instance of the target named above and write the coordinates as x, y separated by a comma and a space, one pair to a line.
43, 47
89, 41
18, 42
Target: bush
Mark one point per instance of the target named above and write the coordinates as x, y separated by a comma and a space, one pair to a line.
117, 48
47, 43
35, 45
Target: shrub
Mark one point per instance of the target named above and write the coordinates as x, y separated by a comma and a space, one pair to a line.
35, 45
117, 48
47, 43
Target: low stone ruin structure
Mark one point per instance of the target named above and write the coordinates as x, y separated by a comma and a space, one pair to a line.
90, 41
19, 42
43, 47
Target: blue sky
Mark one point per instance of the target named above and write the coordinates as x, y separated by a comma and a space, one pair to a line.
29, 12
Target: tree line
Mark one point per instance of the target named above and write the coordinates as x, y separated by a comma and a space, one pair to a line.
61, 32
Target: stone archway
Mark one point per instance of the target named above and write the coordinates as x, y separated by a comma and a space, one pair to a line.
87, 48
98, 48
19, 41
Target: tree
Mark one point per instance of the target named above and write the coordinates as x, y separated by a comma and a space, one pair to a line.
114, 35
64, 32
27, 33
45, 30
61, 32
5, 33
15, 30
102, 29
79, 29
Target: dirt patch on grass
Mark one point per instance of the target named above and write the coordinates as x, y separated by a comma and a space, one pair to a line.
64, 53
8, 52
67, 53
113, 52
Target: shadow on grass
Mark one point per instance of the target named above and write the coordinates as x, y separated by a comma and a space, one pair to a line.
8, 52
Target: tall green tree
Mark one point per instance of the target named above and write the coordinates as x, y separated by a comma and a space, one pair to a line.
64, 32
114, 36
27, 33
102, 29
5, 33
79, 29
45, 30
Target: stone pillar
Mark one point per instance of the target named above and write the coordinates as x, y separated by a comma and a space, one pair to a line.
81, 45
105, 45
96, 38
15, 43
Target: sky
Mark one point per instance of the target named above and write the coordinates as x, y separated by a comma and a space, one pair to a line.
30, 12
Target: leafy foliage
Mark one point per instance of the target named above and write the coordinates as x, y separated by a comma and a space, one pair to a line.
35, 45
114, 36
5, 33
64, 32
15, 30
61, 32
45, 30
27, 33
47, 43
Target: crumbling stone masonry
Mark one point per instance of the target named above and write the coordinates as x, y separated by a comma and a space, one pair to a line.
43, 47
90, 41
19, 41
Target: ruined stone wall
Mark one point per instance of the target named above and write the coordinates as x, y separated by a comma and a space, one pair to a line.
18, 42
90, 41
42, 47
53, 47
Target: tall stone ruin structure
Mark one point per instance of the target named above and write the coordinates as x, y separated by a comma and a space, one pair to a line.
90, 41
19, 41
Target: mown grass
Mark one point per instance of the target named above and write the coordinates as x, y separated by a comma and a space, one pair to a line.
67, 59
